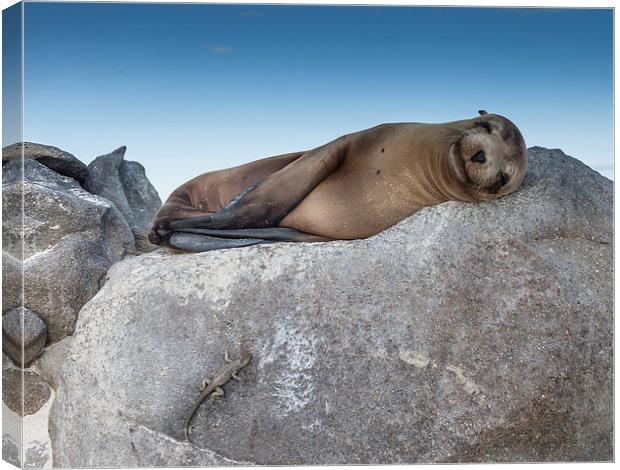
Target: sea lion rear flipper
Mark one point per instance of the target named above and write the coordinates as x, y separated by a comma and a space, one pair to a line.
200, 243
266, 203
276, 234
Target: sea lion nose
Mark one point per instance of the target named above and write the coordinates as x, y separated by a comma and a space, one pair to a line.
503, 179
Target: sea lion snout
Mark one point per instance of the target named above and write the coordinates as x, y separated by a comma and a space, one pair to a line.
503, 179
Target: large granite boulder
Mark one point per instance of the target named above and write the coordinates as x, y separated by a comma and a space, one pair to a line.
468, 332
126, 185
70, 239
54, 158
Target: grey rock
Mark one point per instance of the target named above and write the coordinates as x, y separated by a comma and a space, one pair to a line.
31, 338
58, 160
37, 455
12, 424
140, 193
126, 185
49, 364
56, 206
36, 173
468, 332
11, 282
36, 392
159, 450
7, 362
36, 448
57, 283
70, 239
104, 180
10, 450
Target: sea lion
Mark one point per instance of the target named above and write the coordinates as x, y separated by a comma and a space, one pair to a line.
353, 187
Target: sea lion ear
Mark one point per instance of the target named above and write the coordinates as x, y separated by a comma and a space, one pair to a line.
456, 162
482, 112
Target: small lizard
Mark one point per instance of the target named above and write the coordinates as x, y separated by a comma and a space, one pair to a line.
214, 387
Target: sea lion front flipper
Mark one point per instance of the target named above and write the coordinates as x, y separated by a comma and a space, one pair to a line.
200, 243
266, 203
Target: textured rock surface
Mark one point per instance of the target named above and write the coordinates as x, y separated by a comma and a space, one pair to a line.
11, 282
10, 450
71, 238
56, 207
36, 391
31, 429
140, 193
57, 283
12, 423
126, 185
37, 455
49, 365
58, 160
468, 332
32, 337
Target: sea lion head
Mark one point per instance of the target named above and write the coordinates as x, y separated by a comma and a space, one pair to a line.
490, 157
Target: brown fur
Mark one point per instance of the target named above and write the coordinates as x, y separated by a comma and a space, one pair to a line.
361, 183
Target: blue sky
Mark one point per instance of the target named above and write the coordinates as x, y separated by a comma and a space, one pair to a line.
191, 88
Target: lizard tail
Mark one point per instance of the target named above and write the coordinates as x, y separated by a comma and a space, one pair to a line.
187, 432
188, 422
